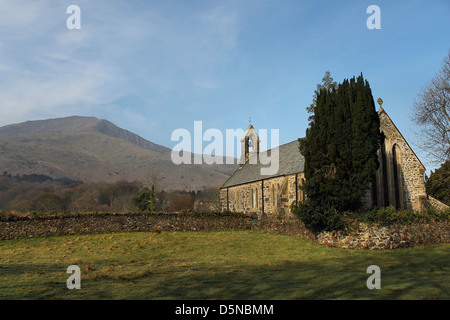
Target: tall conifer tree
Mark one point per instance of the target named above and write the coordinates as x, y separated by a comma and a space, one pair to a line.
341, 143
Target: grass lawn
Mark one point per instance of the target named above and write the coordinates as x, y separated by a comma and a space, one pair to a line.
215, 265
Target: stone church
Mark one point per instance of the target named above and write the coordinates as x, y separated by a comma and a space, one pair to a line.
399, 180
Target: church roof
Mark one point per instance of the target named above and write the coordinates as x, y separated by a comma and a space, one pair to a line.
290, 161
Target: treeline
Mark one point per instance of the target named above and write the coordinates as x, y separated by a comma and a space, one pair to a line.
39, 178
37, 193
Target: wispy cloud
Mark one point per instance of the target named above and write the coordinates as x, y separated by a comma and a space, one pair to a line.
50, 70
40, 77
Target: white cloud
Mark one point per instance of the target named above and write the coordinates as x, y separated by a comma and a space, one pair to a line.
20, 14
43, 72
48, 70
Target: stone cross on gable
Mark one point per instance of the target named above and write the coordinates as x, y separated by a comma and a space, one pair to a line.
380, 102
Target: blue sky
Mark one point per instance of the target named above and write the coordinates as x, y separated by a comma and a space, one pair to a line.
155, 66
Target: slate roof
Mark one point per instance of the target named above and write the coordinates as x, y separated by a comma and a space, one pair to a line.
290, 161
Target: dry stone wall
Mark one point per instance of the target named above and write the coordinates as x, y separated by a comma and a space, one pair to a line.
392, 237
365, 237
111, 222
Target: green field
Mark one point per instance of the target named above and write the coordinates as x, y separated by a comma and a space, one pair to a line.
215, 265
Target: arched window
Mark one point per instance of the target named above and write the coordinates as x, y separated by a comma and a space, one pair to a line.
398, 176
250, 144
253, 198
274, 196
385, 175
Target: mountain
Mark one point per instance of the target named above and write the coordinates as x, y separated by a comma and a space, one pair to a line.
91, 149
76, 124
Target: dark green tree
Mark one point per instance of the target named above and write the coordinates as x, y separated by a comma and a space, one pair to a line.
340, 148
146, 200
438, 184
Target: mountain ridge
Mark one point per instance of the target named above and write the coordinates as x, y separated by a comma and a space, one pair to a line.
76, 123
96, 150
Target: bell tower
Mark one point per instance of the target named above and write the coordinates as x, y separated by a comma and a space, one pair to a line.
249, 144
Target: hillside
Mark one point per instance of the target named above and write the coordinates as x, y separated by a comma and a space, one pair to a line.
77, 124
90, 149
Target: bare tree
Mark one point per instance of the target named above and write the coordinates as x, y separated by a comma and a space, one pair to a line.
152, 179
432, 113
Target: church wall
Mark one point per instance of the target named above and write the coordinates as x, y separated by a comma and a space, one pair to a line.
274, 196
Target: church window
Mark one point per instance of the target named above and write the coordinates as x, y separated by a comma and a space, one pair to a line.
385, 175
274, 197
253, 198
398, 177
300, 189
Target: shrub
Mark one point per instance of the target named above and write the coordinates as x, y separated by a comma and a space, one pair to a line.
182, 202
146, 200
389, 216
319, 218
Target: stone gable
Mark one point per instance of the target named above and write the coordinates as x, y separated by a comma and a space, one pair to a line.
400, 178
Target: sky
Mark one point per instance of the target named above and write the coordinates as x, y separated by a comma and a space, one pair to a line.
152, 67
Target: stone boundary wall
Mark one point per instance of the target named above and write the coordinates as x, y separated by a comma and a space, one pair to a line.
366, 237
108, 223
392, 237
